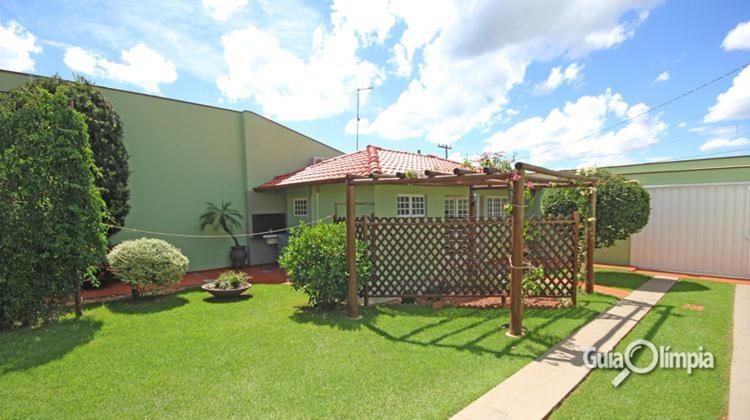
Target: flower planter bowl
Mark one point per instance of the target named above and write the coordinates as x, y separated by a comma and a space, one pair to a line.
225, 293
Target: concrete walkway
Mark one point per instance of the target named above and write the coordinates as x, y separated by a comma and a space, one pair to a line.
535, 390
739, 383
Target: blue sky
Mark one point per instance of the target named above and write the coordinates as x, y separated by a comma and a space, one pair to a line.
542, 79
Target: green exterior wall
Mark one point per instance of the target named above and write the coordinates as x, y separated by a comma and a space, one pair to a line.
380, 199
184, 154
699, 171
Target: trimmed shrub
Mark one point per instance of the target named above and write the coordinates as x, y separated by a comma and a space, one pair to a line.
622, 206
50, 210
145, 262
315, 262
105, 131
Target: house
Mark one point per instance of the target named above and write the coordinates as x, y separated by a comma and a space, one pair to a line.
700, 218
317, 191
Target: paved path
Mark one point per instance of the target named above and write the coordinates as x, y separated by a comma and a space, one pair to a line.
535, 390
739, 383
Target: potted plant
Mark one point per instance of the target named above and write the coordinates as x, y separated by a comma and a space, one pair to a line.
226, 218
228, 284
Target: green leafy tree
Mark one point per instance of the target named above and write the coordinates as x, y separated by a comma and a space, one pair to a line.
224, 217
622, 206
50, 208
105, 132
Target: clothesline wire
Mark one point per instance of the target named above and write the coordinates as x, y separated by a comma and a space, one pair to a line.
183, 235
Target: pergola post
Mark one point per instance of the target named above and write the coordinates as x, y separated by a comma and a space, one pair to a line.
352, 299
517, 246
590, 241
472, 204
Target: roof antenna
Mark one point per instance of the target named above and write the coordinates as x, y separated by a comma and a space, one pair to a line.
358, 91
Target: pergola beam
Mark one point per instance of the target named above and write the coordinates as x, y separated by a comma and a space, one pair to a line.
551, 172
439, 179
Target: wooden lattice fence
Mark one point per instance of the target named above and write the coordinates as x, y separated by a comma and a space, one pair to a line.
462, 257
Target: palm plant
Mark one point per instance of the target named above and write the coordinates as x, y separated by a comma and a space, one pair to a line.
225, 217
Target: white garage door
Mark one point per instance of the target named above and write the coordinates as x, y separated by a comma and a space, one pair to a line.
702, 228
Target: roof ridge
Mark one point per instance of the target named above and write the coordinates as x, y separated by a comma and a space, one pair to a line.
373, 160
416, 154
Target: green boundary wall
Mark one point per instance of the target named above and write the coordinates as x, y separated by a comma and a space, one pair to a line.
698, 171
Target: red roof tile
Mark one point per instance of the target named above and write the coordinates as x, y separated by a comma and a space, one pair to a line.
371, 160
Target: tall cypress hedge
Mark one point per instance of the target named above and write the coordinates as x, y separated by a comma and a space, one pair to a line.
51, 212
105, 130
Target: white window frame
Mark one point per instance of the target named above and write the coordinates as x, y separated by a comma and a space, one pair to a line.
455, 199
488, 200
296, 208
411, 208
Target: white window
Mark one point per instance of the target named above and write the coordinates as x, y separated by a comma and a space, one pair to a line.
495, 207
456, 207
410, 206
299, 207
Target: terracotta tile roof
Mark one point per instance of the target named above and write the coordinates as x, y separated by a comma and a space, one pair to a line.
371, 160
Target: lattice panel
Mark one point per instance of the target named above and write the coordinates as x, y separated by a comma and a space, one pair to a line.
552, 243
460, 257
433, 256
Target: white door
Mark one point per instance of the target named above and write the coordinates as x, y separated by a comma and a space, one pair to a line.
700, 228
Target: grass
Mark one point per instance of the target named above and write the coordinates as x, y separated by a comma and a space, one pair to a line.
668, 393
620, 279
186, 356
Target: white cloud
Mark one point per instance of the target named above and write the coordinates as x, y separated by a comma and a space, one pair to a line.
721, 143
469, 66
734, 104
16, 47
289, 86
738, 38
573, 133
682, 124
662, 77
140, 66
222, 10
557, 77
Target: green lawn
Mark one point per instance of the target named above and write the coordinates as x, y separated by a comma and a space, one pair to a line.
668, 393
620, 279
182, 355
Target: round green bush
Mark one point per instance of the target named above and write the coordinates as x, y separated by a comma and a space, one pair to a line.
147, 261
51, 230
622, 205
315, 262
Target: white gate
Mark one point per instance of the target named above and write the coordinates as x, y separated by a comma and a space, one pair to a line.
696, 228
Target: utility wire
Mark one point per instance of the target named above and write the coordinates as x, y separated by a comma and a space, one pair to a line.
183, 235
650, 110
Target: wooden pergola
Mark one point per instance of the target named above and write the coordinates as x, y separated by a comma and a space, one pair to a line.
524, 176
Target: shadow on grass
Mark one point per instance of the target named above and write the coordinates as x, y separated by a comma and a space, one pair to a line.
228, 299
632, 281
27, 348
147, 305
621, 280
441, 333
